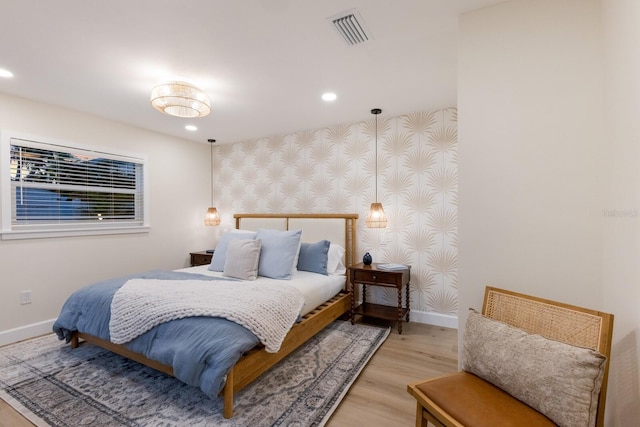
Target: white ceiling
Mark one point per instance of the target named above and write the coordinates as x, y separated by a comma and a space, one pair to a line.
264, 63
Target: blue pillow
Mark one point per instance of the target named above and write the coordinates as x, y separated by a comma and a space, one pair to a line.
278, 253
220, 255
314, 257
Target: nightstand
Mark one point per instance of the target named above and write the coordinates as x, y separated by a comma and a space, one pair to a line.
200, 258
371, 275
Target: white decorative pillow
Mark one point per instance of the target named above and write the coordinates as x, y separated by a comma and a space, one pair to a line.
220, 254
279, 252
242, 260
559, 380
335, 265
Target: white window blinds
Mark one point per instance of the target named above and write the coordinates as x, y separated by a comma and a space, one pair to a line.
56, 187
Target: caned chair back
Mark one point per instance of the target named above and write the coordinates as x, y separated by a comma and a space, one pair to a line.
569, 324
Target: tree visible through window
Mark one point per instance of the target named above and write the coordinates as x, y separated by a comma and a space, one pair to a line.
54, 187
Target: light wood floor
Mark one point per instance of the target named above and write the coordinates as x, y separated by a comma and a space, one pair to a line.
379, 397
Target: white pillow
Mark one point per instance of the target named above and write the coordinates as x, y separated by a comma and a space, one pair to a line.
220, 254
335, 265
243, 256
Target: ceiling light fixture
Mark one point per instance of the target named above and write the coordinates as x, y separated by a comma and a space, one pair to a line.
5, 73
376, 217
329, 96
180, 99
212, 217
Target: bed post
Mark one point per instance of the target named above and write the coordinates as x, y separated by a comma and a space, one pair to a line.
75, 342
353, 242
227, 393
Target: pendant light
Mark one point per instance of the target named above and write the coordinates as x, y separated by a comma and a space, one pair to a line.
376, 217
212, 217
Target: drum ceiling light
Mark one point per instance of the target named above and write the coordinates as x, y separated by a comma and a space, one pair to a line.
180, 99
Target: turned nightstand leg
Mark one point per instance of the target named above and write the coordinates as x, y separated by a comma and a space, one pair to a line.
408, 301
400, 310
364, 294
353, 301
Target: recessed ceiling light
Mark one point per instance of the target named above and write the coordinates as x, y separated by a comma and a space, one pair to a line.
329, 96
191, 128
5, 73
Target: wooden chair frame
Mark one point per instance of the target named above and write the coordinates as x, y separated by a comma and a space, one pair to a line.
554, 320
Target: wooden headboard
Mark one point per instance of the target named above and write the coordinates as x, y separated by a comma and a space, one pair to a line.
337, 228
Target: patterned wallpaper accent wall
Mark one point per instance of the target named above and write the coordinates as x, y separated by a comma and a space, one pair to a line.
332, 170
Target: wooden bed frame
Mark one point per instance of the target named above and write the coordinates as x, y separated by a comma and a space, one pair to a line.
257, 361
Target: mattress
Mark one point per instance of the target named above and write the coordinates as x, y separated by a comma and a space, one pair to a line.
315, 288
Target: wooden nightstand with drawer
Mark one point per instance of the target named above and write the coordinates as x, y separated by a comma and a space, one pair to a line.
371, 275
200, 258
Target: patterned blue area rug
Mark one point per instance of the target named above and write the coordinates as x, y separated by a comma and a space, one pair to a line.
53, 385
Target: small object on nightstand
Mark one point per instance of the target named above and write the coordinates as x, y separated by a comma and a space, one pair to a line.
392, 267
210, 251
200, 258
373, 275
366, 259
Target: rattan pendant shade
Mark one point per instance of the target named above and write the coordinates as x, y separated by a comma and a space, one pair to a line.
376, 217
212, 217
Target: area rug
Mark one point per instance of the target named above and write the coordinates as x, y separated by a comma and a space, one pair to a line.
53, 385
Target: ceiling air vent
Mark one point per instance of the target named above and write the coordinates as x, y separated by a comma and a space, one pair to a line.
351, 28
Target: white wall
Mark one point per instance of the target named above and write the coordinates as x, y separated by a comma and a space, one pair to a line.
544, 155
531, 169
53, 268
621, 267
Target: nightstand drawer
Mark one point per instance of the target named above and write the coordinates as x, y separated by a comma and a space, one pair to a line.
200, 258
377, 277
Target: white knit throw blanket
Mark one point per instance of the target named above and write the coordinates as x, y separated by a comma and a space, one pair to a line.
267, 310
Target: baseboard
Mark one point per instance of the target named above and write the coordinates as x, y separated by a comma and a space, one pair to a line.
436, 319
431, 318
25, 332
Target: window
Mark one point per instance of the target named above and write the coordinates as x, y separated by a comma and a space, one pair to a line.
57, 189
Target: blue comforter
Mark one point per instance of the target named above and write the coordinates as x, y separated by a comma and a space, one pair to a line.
201, 350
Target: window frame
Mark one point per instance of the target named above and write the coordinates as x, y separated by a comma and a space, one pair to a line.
9, 231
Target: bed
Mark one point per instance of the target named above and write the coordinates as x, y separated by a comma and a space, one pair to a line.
85, 317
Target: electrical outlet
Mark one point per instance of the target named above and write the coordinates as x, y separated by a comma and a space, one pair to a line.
25, 297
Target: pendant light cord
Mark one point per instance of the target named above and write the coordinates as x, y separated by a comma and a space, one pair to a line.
376, 158
211, 141
376, 111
